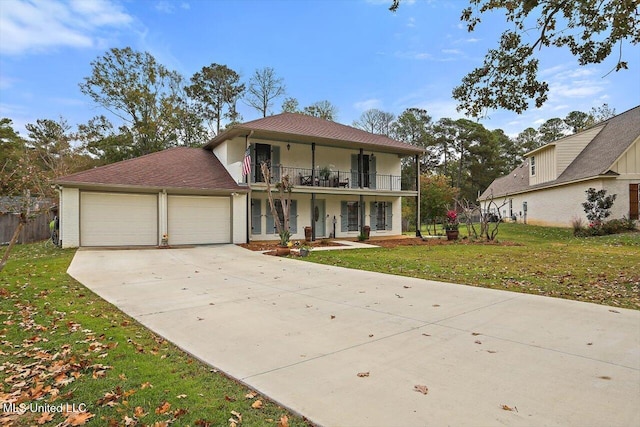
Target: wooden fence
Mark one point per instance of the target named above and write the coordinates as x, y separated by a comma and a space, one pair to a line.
35, 230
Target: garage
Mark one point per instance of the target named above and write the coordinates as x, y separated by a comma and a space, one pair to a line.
118, 219
198, 220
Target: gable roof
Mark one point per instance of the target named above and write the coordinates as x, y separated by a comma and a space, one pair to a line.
596, 159
297, 127
174, 168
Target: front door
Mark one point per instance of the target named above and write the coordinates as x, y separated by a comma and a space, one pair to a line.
319, 214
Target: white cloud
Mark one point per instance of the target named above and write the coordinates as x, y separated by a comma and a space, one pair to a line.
367, 104
36, 25
6, 82
413, 55
452, 51
164, 7
411, 23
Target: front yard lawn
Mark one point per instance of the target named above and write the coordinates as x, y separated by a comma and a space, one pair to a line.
537, 260
64, 348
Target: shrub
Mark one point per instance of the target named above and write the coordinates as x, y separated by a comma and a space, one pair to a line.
598, 206
577, 224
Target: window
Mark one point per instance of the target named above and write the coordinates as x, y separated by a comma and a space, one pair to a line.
293, 217
256, 216
532, 162
349, 216
634, 201
352, 216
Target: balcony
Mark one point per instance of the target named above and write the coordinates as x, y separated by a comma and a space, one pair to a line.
335, 179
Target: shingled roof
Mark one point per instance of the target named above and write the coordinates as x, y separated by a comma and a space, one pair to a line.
175, 168
597, 158
302, 128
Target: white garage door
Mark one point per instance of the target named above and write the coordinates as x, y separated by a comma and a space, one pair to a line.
199, 220
118, 219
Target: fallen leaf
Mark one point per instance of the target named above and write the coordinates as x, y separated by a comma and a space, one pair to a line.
145, 385
179, 412
363, 374
45, 418
78, 418
421, 388
237, 415
251, 395
333, 317
435, 305
284, 421
475, 333
370, 335
614, 311
257, 404
491, 351
138, 412
163, 407
604, 377
406, 287
509, 408
478, 342
181, 396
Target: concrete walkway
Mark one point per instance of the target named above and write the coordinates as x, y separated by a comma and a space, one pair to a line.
301, 333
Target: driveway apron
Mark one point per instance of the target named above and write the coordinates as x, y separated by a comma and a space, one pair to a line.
301, 333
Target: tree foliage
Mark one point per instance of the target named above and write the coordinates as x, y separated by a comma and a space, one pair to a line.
322, 109
375, 121
598, 206
147, 96
216, 88
264, 87
508, 77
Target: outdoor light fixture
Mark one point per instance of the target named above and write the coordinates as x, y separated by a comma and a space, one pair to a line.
288, 147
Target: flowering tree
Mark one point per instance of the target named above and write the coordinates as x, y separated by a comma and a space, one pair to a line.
598, 206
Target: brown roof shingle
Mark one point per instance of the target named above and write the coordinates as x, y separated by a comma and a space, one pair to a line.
300, 125
176, 168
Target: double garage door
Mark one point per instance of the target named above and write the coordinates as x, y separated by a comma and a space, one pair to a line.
127, 219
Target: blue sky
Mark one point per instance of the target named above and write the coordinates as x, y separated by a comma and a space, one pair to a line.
354, 53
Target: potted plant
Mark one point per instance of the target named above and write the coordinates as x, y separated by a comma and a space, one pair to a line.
325, 172
304, 251
451, 225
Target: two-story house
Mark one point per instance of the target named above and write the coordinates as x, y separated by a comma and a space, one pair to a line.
344, 179
549, 187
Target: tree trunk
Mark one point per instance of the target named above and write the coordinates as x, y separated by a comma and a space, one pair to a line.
13, 241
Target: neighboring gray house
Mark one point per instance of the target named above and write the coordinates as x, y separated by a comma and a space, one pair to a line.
548, 188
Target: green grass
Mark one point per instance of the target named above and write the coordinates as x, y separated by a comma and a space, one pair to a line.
537, 260
61, 344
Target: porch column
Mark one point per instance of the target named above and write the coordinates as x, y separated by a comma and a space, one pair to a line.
418, 233
313, 194
361, 168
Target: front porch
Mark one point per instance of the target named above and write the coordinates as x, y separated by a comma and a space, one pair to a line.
328, 178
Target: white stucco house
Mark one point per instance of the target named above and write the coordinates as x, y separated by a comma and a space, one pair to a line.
548, 188
344, 179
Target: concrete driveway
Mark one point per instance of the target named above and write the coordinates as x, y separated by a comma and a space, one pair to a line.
300, 333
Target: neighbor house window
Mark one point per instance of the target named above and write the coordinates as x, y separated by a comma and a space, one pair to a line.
532, 162
634, 201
